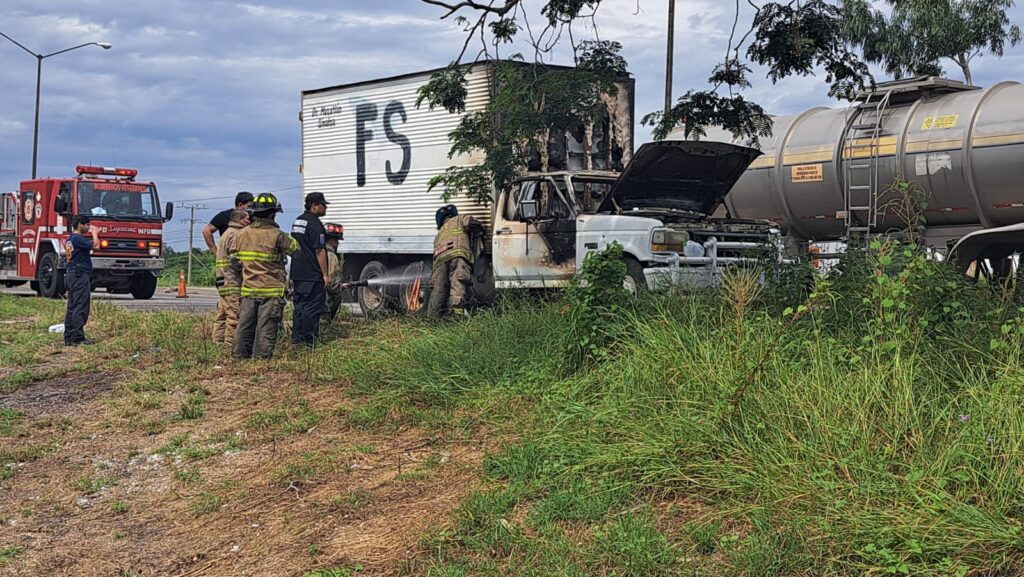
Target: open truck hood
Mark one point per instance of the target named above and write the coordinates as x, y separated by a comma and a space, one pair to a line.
684, 175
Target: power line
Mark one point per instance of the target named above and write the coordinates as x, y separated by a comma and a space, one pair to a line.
233, 196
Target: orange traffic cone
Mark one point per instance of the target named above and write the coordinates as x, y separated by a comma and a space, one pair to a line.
182, 292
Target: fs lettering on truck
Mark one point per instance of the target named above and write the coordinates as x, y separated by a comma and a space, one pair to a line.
35, 222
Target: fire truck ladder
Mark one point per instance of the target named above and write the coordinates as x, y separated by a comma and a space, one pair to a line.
860, 175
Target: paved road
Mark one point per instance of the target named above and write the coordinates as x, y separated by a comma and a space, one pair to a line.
199, 299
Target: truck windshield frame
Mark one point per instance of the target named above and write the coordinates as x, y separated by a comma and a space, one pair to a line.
115, 200
590, 191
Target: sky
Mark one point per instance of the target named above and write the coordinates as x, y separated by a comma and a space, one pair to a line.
203, 96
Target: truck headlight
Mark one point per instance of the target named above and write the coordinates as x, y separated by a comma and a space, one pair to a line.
668, 240
154, 251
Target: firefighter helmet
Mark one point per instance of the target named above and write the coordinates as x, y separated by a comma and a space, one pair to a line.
444, 212
334, 230
266, 204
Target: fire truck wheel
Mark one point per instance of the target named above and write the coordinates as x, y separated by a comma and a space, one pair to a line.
143, 286
50, 277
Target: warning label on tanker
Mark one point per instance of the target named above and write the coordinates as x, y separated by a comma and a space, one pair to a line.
947, 121
807, 172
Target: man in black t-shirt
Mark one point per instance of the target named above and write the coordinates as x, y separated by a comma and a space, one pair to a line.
78, 280
309, 270
219, 223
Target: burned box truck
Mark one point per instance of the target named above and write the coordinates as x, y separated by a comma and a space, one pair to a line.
372, 152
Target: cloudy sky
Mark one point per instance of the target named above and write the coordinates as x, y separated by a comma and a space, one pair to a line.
203, 96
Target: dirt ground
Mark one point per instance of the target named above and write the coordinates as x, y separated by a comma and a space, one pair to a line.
110, 483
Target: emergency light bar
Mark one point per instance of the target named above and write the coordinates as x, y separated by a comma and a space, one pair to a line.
126, 172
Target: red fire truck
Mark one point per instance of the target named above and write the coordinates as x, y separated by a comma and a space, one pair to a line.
35, 222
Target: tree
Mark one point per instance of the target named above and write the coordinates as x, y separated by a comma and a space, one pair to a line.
795, 37
530, 101
913, 36
787, 37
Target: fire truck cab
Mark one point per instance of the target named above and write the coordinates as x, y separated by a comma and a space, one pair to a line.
35, 223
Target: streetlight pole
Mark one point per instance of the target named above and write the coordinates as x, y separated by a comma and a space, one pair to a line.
670, 51
39, 78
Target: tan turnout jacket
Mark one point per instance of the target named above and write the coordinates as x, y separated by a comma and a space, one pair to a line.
261, 248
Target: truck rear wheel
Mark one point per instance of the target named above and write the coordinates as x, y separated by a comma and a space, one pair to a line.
415, 288
143, 286
50, 277
375, 299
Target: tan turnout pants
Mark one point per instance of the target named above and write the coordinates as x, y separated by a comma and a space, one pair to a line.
226, 323
449, 286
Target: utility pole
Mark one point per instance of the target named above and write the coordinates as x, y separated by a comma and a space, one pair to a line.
668, 57
191, 220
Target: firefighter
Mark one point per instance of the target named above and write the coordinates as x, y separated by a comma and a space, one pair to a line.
78, 279
229, 280
309, 271
261, 248
334, 289
451, 275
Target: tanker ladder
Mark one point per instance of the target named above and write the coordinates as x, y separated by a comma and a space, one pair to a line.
860, 175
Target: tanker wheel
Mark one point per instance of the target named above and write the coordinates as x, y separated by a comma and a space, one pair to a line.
415, 288
50, 277
374, 300
143, 286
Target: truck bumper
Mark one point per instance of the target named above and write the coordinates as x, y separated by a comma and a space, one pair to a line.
704, 271
117, 266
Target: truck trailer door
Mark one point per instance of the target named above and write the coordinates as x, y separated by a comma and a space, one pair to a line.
540, 253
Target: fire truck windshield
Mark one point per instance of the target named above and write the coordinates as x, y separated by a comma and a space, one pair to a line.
118, 200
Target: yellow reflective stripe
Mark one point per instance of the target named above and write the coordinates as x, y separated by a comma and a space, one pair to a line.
262, 292
452, 254
446, 234
250, 256
222, 263
294, 245
229, 290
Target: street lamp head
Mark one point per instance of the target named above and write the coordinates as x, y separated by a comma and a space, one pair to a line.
104, 45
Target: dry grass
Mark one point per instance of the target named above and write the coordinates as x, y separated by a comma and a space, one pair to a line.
111, 480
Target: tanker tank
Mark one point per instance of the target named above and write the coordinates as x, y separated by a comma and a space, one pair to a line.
827, 173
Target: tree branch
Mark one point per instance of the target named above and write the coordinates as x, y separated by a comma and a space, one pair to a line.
486, 8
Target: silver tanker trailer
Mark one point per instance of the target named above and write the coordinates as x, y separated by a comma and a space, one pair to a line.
826, 173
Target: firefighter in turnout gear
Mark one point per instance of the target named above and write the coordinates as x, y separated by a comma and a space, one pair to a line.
452, 275
334, 290
229, 280
261, 248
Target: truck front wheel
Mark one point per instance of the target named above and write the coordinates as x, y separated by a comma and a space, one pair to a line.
49, 277
143, 286
635, 281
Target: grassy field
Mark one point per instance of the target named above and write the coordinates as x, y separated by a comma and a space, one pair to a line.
870, 426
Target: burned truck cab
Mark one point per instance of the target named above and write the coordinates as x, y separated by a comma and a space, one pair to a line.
660, 209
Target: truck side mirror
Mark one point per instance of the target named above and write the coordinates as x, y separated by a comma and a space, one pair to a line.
528, 210
168, 211
59, 205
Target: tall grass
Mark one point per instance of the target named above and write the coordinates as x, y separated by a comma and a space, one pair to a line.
873, 428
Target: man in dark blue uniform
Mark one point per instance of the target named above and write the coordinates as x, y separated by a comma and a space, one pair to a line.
309, 270
78, 280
